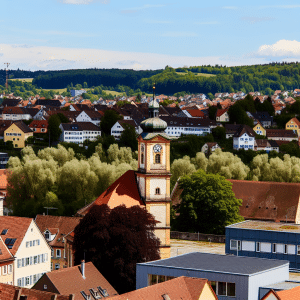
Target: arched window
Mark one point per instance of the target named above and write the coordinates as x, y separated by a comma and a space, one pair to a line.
157, 191
142, 158
157, 158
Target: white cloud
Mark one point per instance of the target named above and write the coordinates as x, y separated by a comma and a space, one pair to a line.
282, 48
84, 2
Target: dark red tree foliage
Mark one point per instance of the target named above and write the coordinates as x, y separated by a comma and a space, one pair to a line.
115, 240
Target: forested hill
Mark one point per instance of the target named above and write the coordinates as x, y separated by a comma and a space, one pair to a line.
202, 79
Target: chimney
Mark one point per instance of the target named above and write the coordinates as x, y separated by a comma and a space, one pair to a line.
83, 268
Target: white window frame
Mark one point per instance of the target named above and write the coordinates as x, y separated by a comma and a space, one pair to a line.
274, 248
298, 249
238, 245
4, 270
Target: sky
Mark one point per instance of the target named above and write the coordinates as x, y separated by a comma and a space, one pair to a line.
144, 34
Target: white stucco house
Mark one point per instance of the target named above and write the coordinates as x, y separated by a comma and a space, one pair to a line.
27, 244
120, 125
244, 138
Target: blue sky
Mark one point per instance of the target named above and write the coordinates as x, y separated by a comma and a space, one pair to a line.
63, 34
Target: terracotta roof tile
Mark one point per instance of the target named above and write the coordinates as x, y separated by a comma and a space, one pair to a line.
17, 227
187, 288
122, 191
10, 292
70, 281
292, 294
3, 179
220, 112
277, 201
4, 251
57, 224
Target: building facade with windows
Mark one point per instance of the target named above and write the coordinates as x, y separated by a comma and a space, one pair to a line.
230, 276
18, 133
26, 243
272, 240
6, 264
79, 132
244, 138
55, 230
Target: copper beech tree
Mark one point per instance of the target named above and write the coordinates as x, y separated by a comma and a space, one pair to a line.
115, 240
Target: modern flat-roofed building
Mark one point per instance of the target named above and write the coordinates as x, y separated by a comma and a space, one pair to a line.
231, 277
272, 240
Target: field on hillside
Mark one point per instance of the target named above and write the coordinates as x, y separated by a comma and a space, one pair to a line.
23, 79
197, 74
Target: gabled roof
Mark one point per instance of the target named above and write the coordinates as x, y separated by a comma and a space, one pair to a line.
11, 292
276, 201
17, 228
127, 122
187, 288
94, 115
295, 120
70, 281
22, 126
196, 113
221, 112
39, 124
122, 191
62, 225
244, 129
292, 294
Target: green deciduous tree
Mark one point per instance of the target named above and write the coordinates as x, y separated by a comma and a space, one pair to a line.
128, 138
115, 240
208, 204
109, 119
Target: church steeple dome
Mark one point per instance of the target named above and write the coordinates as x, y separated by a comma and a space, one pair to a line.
154, 123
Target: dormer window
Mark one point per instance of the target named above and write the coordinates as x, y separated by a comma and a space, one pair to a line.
47, 235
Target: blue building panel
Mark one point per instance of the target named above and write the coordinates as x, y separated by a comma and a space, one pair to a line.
272, 241
246, 274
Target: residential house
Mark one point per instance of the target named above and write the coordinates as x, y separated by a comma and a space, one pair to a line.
293, 124
244, 138
222, 115
210, 147
18, 132
185, 126
75, 93
259, 129
264, 118
281, 135
11, 292
39, 126
79, 132
268, 240
83, 281
4, 157
49, 103
6, 264
28, 246
231, 129
3, 126
120, 126
89, 116
183, 287
231, 277
194, 113
15, 113
54, 229
266, 145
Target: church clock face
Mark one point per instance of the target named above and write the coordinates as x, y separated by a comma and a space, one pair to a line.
157, 148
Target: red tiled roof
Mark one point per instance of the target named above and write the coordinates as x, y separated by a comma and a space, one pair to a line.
17, 228
70, 281
187, 288
11, 292
295, 120
57, 224
4, 252
276, 201
196, 113
39, 124
220, 112
122, 191
292, 294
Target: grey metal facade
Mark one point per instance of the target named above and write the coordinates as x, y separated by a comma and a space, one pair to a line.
288, 242
246, 285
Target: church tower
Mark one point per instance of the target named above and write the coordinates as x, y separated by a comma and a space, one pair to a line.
153, 175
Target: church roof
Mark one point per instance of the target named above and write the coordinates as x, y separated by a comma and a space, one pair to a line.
122, 191
151, 135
